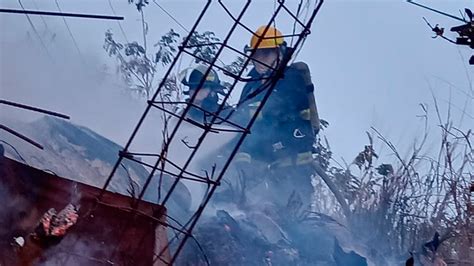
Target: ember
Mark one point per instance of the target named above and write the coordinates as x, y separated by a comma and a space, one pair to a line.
54, 224
41, 224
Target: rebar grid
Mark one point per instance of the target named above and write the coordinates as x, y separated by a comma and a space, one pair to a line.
213, 180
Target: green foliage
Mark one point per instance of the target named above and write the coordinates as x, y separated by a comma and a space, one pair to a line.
323, 153
395, 206
136, 68
236, 66
384, 169
324, 123
139, 3
365, 157
205, 46
110, 45
134, 49
167, 47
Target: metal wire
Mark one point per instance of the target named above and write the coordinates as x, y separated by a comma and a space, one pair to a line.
118, 22
171, 16
34, 29
41, 16
70, 33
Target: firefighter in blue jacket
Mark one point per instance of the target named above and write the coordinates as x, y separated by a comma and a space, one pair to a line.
283, 135
206, 100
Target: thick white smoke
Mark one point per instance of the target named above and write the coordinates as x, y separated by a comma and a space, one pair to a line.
88, 89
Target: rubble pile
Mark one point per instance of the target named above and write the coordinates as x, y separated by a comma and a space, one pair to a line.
270, 236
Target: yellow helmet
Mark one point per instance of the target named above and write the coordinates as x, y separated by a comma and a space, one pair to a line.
272, 38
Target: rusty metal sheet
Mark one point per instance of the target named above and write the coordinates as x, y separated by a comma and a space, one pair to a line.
106, 233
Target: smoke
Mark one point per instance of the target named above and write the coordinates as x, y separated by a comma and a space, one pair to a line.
60, 80
74, 250
88, 90
4, 212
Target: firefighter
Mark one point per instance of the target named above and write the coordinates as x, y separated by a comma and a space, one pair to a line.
207, 96
283, 134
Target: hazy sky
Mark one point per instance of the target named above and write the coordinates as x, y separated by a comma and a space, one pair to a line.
372, 62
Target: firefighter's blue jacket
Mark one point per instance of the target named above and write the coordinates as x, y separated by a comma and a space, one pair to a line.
283, 128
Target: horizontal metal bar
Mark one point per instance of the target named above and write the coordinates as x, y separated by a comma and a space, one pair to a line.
222, 120
200, 179
233, 49
13, 132
124, 154
27, 107
191, 121
59, 14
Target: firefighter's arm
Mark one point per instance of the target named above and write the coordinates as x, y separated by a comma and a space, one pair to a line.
316, 124
305, 73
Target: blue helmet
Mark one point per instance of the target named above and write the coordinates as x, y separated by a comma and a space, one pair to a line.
211, 81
